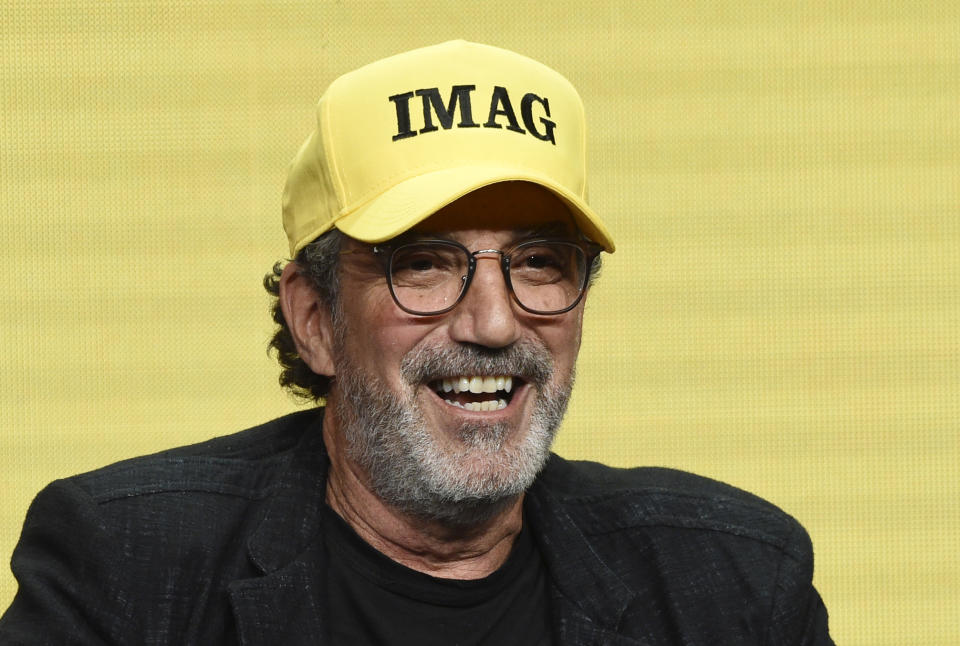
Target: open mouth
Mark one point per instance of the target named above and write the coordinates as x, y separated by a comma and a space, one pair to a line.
477, 392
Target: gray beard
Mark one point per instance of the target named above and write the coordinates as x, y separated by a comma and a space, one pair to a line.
412, 471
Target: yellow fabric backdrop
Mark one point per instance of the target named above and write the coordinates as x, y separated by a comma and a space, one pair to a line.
782, 179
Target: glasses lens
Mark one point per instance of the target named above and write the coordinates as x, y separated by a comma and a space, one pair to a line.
548, 276
427, 277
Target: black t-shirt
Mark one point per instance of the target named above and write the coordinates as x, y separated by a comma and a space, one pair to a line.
372, 599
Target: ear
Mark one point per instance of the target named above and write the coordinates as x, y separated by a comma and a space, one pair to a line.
308, 319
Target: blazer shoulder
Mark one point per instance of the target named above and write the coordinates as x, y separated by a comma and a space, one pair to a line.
606, 499
734, 567
239, 464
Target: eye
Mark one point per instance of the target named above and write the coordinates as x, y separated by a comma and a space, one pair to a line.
423, 258
547, 263
426, 265
421, 263
538, 260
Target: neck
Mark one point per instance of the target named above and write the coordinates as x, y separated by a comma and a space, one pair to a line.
441, 549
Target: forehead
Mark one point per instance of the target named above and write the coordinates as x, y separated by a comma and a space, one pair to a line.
507, 206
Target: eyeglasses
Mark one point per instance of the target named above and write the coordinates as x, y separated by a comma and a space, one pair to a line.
430, 277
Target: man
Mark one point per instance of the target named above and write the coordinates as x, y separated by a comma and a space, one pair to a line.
442, 251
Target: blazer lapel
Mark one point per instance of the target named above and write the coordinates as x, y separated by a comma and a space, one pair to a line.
588, 597
285, 607
573, 627
285, 604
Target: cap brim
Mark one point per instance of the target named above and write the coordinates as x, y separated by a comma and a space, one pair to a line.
408, 203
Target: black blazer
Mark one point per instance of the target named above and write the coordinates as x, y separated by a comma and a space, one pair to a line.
221, 543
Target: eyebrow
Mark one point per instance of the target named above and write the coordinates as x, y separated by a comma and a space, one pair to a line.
551, 230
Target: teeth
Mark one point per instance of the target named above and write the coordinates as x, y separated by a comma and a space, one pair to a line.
477, 384
492, 404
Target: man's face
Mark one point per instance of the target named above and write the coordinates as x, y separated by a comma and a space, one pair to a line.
420, 442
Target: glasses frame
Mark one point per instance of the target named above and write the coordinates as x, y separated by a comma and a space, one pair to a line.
387, 251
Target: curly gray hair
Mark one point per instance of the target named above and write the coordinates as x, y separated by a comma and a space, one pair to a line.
319, 261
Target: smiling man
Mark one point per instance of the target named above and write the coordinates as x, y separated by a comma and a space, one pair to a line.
443, 253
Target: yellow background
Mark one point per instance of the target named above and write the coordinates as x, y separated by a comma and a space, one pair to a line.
782, 179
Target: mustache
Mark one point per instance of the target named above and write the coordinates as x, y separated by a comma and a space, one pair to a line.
527, 359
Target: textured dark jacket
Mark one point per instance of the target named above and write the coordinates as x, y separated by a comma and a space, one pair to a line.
221, 543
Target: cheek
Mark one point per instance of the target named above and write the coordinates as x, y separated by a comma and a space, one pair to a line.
379, 335
563, 340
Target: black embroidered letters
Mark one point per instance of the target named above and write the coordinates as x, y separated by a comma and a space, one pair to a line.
438, 114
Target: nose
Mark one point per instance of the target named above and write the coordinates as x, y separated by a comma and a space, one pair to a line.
486, 315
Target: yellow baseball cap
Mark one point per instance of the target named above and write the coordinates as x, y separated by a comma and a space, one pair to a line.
399, 139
